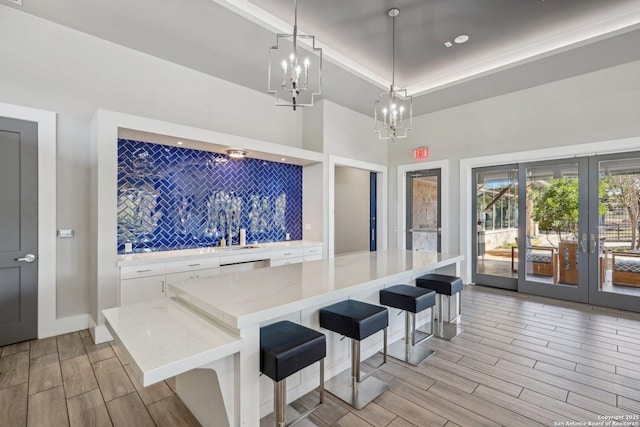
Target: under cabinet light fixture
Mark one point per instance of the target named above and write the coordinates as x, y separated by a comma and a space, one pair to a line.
236, 154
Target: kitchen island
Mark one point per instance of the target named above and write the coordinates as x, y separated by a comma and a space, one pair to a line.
233, 306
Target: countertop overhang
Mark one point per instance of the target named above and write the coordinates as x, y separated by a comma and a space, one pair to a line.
251, 297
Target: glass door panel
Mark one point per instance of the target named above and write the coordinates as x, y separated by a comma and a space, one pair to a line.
614, 234
423, 211
553, 241
495, 224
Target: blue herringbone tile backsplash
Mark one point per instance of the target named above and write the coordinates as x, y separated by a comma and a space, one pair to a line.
177, 198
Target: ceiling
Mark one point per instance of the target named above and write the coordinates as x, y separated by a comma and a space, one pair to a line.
514, 44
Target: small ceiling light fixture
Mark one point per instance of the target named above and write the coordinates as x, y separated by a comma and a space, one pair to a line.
393, 111
236, 154
462, 38
179, 142
298, 81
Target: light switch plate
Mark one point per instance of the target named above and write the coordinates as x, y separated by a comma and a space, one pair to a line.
65, 232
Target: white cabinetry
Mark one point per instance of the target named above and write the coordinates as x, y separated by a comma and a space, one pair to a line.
286, 256
292, 255
149, 281
133, 291
142, 283
313, 253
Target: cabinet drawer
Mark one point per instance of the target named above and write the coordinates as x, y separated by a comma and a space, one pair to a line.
175, 278
135, 271
284, 261
193, 264
314, 252
286, 253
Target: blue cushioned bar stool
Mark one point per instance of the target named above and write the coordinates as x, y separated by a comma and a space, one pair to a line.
286, 348
448, 286
411, 300
356, 320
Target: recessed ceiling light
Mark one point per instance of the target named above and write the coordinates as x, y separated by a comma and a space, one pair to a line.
462, 38
283, 159
236, 154
448, 44
179, 142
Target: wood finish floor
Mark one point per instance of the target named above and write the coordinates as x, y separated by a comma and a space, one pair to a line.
521, 361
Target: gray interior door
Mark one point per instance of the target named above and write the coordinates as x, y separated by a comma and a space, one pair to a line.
18, 231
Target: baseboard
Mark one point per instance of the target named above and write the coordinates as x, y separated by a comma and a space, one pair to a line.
64, 325
100, 333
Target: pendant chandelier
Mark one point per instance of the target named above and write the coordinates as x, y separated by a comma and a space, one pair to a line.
295, 81
393, 112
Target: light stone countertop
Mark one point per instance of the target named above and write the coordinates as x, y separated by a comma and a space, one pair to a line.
251, 297
164, 338
139, 258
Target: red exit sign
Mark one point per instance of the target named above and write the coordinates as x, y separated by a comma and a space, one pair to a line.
421, 153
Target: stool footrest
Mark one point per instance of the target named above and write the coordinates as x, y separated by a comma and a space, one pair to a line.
360, 395
416, 354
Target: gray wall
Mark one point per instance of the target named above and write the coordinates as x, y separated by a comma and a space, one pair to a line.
351, 210
599, 106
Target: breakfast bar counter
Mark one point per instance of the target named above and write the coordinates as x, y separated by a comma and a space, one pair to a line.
240, 303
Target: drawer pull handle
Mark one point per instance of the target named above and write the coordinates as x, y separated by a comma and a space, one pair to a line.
163, 286
143, 271
194, 265
286, 253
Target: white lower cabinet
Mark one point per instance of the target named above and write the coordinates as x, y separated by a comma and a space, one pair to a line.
295, 255
184, 276
285, 261
149, 281
133, 291
313, 253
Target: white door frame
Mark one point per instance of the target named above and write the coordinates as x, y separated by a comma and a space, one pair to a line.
381, 198
443, 165
466, 166
48, 324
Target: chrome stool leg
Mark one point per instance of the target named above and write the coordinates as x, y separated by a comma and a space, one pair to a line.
407, 349
354, 388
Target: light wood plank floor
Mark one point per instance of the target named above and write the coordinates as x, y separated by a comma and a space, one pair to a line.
521, 361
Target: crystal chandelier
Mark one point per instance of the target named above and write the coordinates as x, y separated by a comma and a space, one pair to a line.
294, 82
393, 112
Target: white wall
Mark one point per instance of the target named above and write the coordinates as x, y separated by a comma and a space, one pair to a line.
352, 188
350, 134
598, 106
51, 67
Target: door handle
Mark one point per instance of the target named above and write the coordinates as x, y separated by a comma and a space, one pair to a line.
583, 243
27, 258
594, 244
